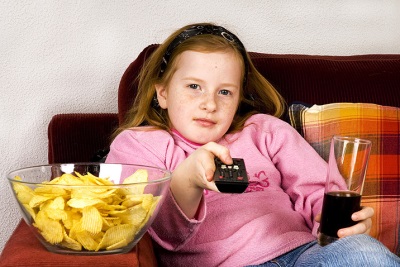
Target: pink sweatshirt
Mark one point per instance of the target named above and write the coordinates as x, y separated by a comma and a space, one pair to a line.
274, 215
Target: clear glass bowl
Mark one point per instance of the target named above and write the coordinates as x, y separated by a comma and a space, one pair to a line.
89, 208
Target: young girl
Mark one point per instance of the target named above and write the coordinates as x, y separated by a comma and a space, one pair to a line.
200, 97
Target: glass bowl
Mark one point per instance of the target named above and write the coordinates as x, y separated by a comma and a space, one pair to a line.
89, 208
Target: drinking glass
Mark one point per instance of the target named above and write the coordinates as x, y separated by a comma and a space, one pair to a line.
347, 166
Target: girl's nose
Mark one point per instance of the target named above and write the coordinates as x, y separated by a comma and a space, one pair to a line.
208, 102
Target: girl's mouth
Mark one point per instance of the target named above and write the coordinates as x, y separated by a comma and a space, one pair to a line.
205, 122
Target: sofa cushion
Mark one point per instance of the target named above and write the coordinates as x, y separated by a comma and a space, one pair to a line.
380, 124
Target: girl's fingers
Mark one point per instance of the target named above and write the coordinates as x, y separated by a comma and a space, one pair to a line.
219, 151
364, 213
363, 217
362, 227
318, 218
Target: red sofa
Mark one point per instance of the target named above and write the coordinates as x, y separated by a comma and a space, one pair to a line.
305, 78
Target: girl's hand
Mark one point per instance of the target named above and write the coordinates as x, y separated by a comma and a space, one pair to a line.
201, 166
195, 174
363, 217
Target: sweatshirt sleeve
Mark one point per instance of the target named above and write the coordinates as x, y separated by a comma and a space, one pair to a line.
303, 171
171, 228
135, 147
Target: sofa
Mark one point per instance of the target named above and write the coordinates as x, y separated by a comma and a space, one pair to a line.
325, 95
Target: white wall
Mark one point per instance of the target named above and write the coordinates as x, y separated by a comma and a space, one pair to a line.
68, 56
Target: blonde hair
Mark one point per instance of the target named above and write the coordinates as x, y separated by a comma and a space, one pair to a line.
257, 94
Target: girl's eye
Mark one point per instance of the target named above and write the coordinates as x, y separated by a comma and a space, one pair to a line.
194, 86
225, 92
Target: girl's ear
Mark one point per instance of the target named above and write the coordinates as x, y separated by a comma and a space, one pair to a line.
161, 92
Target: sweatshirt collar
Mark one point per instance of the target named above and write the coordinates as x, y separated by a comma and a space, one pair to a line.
184, 139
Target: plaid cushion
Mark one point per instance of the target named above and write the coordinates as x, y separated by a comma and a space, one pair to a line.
381, 125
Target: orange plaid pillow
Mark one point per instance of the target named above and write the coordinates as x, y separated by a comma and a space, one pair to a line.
381, 125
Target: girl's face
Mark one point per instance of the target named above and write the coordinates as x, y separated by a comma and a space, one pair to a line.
203, 94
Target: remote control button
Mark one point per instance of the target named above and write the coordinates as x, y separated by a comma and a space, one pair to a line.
231, 178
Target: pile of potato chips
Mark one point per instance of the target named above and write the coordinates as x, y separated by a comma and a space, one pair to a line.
93, 214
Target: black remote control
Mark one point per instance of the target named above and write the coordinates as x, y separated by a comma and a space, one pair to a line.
231, 178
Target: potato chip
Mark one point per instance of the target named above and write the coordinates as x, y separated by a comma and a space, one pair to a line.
71, 218
66, 179
147, 201
115, 199
109, 207
116, 234
37, 200
140, 176
70, 243
76, 228
30, 211
92, 193
151, 210
90, 179
118, 245
51, 230
132, 200
91, 220
83, 202
55, 209
86, 240
50, 191
109, 222
97, 180
24, 193
134, 215
112, 209
25, 196
57, 203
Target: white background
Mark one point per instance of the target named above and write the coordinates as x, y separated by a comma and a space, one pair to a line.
68, 56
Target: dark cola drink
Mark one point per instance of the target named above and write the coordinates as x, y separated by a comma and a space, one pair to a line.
336, 214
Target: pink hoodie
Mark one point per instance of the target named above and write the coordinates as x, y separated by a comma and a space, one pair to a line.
274, 215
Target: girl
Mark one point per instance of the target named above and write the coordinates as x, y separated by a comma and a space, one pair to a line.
200, 97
